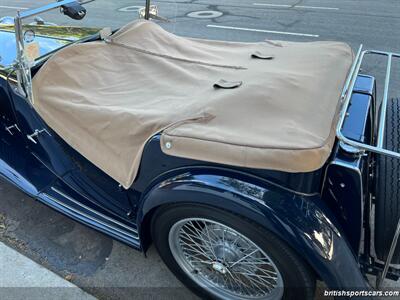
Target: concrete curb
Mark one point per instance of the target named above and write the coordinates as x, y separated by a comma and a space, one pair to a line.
22, 278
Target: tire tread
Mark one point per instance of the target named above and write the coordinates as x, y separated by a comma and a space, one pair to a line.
387, 204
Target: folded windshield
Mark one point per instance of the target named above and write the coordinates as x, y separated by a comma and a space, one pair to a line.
51, 30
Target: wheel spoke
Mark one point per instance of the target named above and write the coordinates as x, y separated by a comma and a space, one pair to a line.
244, 285
225, 261
196, 249
256, 278
255, 261
250, 266
243, 258
209, 248
209, 240
197, 256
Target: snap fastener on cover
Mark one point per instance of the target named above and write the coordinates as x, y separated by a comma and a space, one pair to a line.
224, 84
260, 55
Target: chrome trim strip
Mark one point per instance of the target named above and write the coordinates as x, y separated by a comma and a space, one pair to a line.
382, 118
77, 212
350, 75
94, 211
354, 169
344, 165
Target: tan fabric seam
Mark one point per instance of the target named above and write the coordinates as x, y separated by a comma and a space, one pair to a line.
244, 145
112, 42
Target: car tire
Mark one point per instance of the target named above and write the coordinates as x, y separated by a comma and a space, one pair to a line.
298, 280
387, 190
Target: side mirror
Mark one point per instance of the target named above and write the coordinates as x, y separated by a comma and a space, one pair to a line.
153, 13
40, 21
74, 10
7, 21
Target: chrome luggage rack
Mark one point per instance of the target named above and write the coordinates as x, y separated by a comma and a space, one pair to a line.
380, 132
346, 97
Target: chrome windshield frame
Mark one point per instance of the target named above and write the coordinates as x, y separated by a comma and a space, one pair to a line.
22, 64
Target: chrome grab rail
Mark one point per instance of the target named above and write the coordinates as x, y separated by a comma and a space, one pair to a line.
380, 136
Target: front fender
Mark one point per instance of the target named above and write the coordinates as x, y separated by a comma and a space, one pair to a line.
302, 221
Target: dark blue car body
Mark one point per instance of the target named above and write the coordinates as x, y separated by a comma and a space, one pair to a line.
319, 214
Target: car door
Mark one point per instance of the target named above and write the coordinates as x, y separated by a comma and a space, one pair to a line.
16, 163
89, 182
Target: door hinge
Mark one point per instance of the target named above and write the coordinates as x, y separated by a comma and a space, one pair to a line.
35, 134
10, 128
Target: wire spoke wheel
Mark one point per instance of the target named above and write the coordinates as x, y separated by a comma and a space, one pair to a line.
223, 261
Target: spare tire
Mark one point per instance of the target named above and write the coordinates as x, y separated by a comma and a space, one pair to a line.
387, 203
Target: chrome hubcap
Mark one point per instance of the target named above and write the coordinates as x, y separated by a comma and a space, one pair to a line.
223, 261
219, 268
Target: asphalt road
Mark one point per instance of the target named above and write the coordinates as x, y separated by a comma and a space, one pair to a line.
109, 269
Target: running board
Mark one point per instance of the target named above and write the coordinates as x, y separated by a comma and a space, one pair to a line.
83, 214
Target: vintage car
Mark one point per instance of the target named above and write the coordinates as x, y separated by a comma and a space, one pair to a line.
255, 168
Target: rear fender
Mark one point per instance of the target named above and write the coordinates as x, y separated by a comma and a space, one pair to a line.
303, 222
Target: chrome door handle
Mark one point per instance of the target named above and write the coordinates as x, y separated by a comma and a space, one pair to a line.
35, 134
9, 128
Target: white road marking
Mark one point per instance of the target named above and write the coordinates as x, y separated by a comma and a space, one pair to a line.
296, 6
12, 7
205, 14
263, 30
130, 8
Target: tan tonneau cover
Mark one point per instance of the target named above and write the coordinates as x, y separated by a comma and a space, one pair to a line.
107, 99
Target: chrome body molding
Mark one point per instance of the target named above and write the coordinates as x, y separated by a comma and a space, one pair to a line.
129, 229
91, 218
